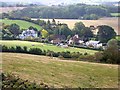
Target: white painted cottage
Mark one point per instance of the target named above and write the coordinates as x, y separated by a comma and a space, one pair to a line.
28, 33
94, 44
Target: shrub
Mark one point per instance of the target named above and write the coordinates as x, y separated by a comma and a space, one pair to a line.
86, 53
49, 53
98, 56
36, 51
65, 54
10, 81
19, 49
5, 48
44, 52
12, 49
112, 53
55, 54
75, 55
86, 58
25, 50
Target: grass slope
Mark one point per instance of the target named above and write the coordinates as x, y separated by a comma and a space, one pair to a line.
61, 73
21, 23
44, 46
115, 14
118, 38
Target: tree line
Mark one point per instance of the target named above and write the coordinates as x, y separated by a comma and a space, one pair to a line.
78, 11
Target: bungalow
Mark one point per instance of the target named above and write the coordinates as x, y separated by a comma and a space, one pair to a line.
28, 33
94, 44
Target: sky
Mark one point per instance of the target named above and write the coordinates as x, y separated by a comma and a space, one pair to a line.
58, 1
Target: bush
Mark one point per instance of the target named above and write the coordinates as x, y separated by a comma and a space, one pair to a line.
65, 54
86, 58
5, 48
98, 56
86, 53
112, 53
10, 81
49, 53
55, 54
43, 52
25, 50
36, 51
75, 55
12, 49
19, 49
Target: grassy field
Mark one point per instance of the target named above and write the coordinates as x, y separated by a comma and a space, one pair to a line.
44, 46
21, 23
118, 38
61, 73
115, 14
113, 22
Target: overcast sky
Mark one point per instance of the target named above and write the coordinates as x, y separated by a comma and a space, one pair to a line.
58, 1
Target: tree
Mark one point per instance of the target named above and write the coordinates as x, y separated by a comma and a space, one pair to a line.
78, 27
44, 33
57, 30
64, 30
111, 54
48, 22
68, 37
31, 27
105, 33
86, 33
53, 22
68, 11
90, 17
14, 29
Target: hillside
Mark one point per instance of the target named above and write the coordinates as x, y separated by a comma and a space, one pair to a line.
21, 23
61, 73
44, 46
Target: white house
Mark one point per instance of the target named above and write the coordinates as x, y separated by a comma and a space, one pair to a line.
70, 41
81, 41
28, 33
95, 44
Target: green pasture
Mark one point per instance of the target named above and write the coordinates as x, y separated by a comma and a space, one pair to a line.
21, 23
44, 46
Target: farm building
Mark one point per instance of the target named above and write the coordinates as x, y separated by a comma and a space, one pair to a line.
75, 40
56, 41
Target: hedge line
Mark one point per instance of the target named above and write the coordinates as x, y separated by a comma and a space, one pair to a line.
38, 51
